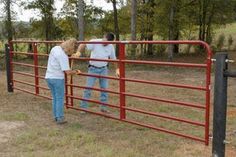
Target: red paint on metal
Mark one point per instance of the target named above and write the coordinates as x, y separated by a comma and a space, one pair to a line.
36, 70
165, 116
93, 101
66, 90
180, 103
11, 60
93, 88
71, 91
208, 87
166, 84
122, 82
122, 108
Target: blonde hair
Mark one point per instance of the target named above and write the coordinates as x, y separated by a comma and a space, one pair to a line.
69, 46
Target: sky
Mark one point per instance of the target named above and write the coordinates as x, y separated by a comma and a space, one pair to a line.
25, 15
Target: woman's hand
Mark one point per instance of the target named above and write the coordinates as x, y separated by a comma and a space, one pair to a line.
78, 72
73, 72
76, 55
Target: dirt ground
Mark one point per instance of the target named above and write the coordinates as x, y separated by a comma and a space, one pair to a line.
6, 127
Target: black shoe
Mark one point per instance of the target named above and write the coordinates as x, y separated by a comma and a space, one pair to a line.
62, 121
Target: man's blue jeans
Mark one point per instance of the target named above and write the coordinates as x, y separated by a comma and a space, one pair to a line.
103, 82
57, 88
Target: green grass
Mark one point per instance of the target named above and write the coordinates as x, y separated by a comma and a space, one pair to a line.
90, 135
14, 116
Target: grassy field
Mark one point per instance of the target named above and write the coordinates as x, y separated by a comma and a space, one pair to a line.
27, 128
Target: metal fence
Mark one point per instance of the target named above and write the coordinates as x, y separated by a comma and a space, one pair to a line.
121, 106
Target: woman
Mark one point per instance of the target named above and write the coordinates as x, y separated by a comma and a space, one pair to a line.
58, 65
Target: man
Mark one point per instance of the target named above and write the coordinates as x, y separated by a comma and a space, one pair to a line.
98, 51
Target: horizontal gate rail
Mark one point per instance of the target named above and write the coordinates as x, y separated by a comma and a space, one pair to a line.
166, 84
93, 101
23, 64
140, 124
96, 89
189, 65
29, 65
30, 92
23, 82
166, 101
29, 54
165, 130
23, 90
99, 76
23, 53
165, 116
23, 73
93, 112
30, 84
93, 59
122, 80
28, 74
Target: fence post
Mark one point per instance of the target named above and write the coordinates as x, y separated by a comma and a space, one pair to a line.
220, 106
122, 81
36, 70
8, 68
71, 87
66, 91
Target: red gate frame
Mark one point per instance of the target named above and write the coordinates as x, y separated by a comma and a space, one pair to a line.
122, 61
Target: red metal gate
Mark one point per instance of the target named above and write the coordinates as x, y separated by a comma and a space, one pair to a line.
121, 105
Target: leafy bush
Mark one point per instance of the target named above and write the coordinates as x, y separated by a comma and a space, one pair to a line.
213, 48
159, 49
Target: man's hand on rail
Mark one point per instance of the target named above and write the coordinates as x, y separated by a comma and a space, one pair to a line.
118, 72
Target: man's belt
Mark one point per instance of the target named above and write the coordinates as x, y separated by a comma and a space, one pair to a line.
97, 67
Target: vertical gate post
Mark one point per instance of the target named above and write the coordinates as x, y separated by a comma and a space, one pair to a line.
36, 70
66, 91
122, 81
220, 106
71, 87
8, 68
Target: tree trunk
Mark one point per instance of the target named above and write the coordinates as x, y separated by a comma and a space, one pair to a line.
48, 22
204, 11
133, 25
49, 30
142, 37
176, 46
208, 29
8, 20
116, 26
46, 27
176, 25
171, 31
150, 27
203, 5
80, 18
30, 50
